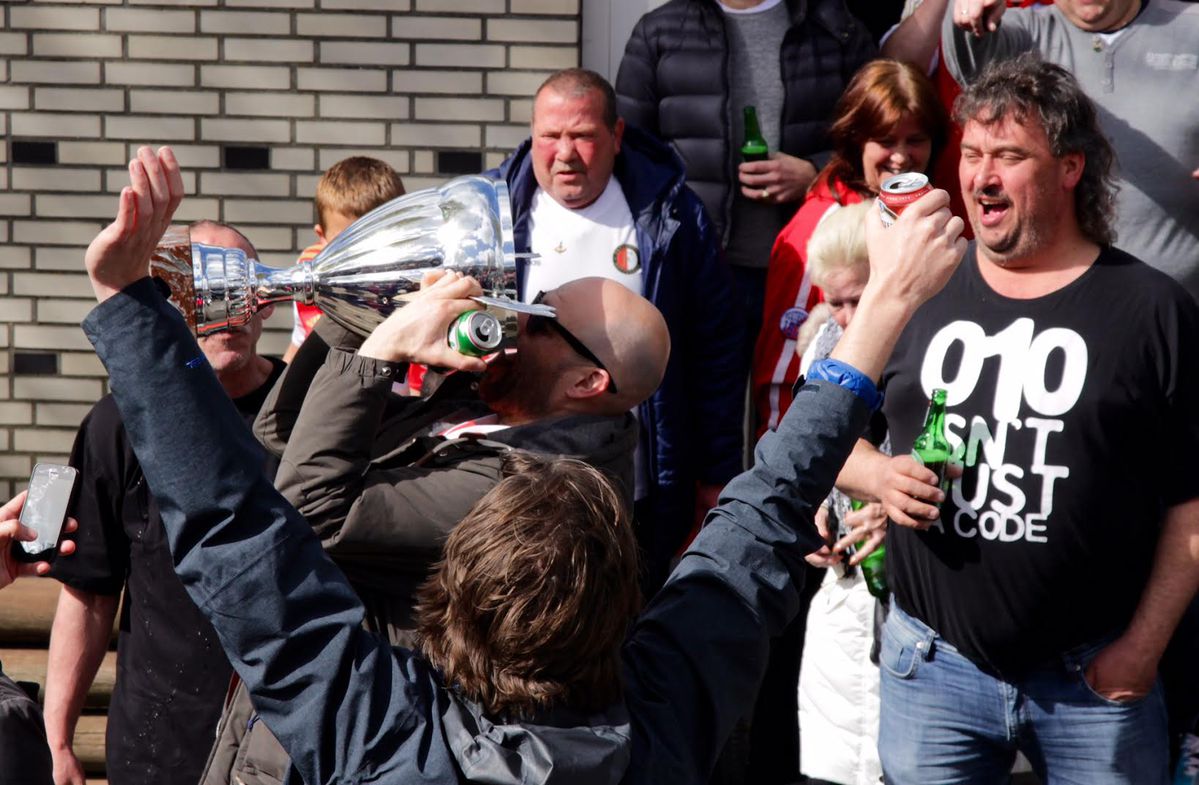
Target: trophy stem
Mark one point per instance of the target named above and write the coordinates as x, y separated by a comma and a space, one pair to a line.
276, 285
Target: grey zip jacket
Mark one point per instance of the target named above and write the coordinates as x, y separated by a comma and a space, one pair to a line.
349, 707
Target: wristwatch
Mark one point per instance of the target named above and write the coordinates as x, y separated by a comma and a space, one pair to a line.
847, 376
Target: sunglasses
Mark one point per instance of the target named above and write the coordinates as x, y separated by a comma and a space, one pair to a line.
538, 324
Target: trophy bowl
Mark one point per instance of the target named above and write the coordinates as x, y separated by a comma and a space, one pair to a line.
365, 273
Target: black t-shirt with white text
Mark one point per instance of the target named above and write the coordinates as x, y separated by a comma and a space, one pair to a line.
1077, 417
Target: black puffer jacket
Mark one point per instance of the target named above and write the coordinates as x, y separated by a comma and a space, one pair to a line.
674, 82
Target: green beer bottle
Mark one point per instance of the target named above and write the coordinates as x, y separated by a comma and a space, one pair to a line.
931, 448
754, 147
874, 566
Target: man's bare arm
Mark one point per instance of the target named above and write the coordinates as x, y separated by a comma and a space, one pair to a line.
1127, 668
78, 640
916, 39
907, 490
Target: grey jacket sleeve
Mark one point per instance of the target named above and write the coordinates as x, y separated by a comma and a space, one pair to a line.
364, 513
965, 55
339, 699
696, 657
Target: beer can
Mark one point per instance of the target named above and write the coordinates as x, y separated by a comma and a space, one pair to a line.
476, 333
897, 192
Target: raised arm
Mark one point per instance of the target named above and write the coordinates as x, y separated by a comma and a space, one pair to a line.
974, 33
372, 516
696, 657
917, 37
338, 699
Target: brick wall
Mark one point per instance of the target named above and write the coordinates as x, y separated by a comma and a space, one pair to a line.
434, 87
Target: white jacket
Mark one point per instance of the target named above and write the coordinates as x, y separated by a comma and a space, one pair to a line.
839, 685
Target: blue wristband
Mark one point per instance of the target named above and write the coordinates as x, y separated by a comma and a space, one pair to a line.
848, 377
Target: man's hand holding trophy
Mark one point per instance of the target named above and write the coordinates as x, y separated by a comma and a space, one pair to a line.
456, 237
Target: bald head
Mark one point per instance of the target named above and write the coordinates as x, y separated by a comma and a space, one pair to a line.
623, 329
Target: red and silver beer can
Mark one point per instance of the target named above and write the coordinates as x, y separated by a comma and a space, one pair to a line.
897, 192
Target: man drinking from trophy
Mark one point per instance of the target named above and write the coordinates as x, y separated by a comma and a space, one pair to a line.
383, 478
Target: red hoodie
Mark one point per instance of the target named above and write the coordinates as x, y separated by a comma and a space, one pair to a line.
790, 297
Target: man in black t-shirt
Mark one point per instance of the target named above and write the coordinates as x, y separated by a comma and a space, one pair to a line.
171, 673
1032, 609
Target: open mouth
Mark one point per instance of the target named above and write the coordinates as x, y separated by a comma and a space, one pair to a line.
992, 210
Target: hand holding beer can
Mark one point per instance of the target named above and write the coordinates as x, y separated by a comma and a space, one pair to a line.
476, 333
897, 192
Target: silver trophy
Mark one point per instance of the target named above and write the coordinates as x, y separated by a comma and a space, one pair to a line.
366, 272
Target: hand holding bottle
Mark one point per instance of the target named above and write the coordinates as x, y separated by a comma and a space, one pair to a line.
779, 179
866, 529
910, 493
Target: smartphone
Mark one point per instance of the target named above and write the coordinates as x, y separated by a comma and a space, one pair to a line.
45, 511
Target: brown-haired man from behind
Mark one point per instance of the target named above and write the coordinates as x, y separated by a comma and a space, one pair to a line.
348, 190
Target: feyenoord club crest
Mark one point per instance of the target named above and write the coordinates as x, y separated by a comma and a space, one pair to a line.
790, 322
626, 259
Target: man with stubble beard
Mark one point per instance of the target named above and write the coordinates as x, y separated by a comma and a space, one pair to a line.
383, 477
171, 674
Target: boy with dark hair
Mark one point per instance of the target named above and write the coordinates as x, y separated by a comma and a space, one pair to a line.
348, 190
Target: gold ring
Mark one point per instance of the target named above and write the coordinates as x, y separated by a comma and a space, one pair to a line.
765, 194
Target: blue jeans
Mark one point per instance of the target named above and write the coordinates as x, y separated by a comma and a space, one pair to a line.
945, 721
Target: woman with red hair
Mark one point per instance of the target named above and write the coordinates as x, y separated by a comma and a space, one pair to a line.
889, 120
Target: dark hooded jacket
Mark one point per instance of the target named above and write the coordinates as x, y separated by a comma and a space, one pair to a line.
693, 421
24, 754
674, 82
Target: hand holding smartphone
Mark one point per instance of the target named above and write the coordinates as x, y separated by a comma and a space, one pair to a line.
44, 512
